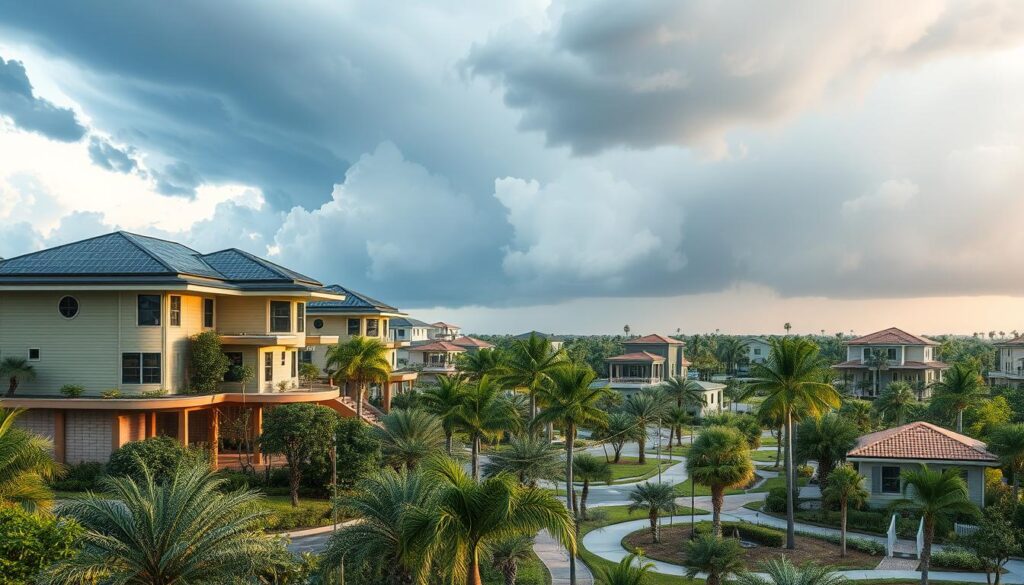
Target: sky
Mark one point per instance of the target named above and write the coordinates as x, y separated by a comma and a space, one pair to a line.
567, 166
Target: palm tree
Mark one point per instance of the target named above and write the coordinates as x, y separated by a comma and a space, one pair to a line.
529, 365
688, 394
362, 361
934, 494
16, 369
378, 546
859, 412
720, 459
730, 351
485, 415
782, 572
825, 440
409, 436
961, 388
506, 555
529, 459
621, 428
646, 409
791, 380
895, 402
1007, 441
846, 487
466, 518
25, 464
676, 418
181, 530
477, 364
629, 571
654, 498
444, 400
787, 327
877, 362
714, 556
587, 468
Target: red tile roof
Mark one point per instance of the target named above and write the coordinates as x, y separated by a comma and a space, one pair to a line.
639, 356
467, 341
653, 339
921, 440
906, 365
1014, 341
891, 336
438, 346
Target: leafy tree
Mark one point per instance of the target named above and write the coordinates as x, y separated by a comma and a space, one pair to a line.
706, 365
362, 361
529, 459
1007, 441
484, 415
182, 530
826, 440
629, 571
587, 468
846, 487
719, 459
300, 431
894, 402
31, 542
654, 498
529, 365
16, 369
715, 556
444, 401
409, 436
25, 465
782, 572
987, 415
484, 362
207, 362
308, 374
995, 541
159, 456
621, 428
961, 388
508, 553
859, 412
359, 454
645, 410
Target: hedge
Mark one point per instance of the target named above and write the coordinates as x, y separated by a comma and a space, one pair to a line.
864, 545
752, 532
957, 558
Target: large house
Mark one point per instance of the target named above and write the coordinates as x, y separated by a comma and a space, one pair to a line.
881, 457
876, 360
556, 341
435, 358
113, 316
758, 349
1009, 370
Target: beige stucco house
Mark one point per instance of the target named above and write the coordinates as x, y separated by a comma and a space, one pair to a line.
908, 358
1009, 369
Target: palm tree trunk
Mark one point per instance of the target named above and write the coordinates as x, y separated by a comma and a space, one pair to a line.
13, 386
926, 550
359, 401
510, 574
448, 442
655, 533
583, 499
790, 487
671, 431
778, 448
842, 529
960, 421
618, 452
643, 446
570, 491
717, 499
713, 578
679, 436
476, 458
473, 578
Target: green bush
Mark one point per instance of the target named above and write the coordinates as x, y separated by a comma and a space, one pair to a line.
309, 514
208, 364
804, 471
79, 478
865, 545
957, 558
31, 542
72, 390
161, 455
752, 532
776, 500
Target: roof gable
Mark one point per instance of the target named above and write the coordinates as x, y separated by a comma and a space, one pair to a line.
438, 346
109, 254
891, 336
921, 441
467, 341
637, 356
354, 301
653, 339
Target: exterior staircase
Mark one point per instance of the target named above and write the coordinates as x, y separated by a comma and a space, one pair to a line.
346, 406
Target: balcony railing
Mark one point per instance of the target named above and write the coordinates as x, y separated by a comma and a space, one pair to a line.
635, 380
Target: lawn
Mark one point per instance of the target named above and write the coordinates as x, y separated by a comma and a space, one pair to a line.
628, 470
683, 489
763, 456
678, 450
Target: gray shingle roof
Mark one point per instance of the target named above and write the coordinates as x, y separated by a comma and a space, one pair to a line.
544, 336
408, 322
354, 301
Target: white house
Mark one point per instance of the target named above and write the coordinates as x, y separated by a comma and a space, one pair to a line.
1009, 370
908, 358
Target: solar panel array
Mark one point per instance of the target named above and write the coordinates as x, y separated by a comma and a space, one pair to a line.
237, 266
109, 254
178, 257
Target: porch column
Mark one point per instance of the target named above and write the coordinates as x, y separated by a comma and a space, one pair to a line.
257, 427
214, 437
58, 437
118, 432
150, 424
183, 427
385, 390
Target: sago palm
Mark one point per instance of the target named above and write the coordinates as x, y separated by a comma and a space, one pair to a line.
825, 440
895, 402
25, 464
646, 410
484, 362
961, 388
715, 557
629, 571
485, 414
16, 370
508, 553
362, 361
586, 468
653, 498
1007, 441
529, 459
846, 487
782, 572
444, 401
528, 366
409, 436
719, 459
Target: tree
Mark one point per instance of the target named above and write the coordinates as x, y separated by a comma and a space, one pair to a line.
444, 401
846, 487
408, 437
300, 431
934, 494
645, 409
877, 362
587, 468
676, 417
717, 557
16, 369
688, 394
960, 388
825, 440
719, 459
25, 464
706, 364
859, 412
791, 380
182, 530
484, 415
986, 415
654, 498
29, 543
621, 428
529, 365
359, 453
782, 572
362, 361
484, 362
629, 571
506, 554
731, 351
995, 541
895, 401
529, 459
308, 374
207, 362
1007, 441
158, 456
787, 327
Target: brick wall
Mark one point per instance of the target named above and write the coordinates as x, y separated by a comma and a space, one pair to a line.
37, 421
88, 435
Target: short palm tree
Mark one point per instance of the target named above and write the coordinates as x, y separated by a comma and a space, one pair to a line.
586, 468
646, 409
825, 440
444, 400
361, 361
686, 392
791, 381
714, 556
961, 388
629, 571
528, 365
720, 459
484, 362
529, 459
25, 464
184, 530
859, 412
846, 487
654, 498
1007, 441
484, 415
782, 572
619, 429
934, 494
506, 555
894, 403
16, 370
731, 351
409, 436
676, 417
467, 517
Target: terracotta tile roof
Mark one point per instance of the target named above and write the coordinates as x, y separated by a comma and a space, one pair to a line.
1014, 341
639, 356
891, 336
921, 440
438, 346
906, 365
467, 341
653, 339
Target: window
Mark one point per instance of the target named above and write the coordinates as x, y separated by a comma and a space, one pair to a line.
384, 327
140, 368
68, 307
867, 353
891, 354
353, 326
318, 323
306, 356
280, 316
757, 351
890, 480
371, 328
283, 354
149, 309
33, 354
268, 366
295, 365
234, 362
175, 311
207, 312
399, 332
150, 368
300, 317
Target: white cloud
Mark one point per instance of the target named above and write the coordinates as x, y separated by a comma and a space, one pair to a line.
891, 195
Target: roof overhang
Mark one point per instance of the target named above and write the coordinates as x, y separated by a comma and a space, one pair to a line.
976, 462
172, 402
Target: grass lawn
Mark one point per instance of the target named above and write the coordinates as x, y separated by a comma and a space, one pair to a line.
683, 489
627, 470
310, 513
679, 450
763, 456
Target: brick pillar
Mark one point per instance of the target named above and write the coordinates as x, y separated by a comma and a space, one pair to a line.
183, 427
257, 423
119, 431
59, 452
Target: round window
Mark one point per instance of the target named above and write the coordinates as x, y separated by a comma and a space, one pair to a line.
68, 307
318, 323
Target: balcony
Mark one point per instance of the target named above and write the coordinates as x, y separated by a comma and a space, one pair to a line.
265, 339
321, 340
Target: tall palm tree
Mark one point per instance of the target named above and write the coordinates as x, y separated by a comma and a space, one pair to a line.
714, 556
529, 459
362, 361
16, 369
25, 464
720, 459
506, 555
484, 362
587, 468
825, 440
378, 548
654, 498
782, 572
688, 394
934, 494
894, 403
646, 410
444, 400
877, 362
730, 351
676, 418
467, 517
484, 415
846, 487
184, 530
961, 388
621, 428
529, 364
1007, 441
409, 436
791, 380
629, 571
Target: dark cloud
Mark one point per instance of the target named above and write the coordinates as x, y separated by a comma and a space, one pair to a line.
112, 158
177, 179
30, 112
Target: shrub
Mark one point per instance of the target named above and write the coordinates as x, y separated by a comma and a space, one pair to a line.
79, 478
161, 455
864, 545
308, 514
31, 542
957, 558
72, 390
776, 500
752, 532
112, 393
208, 364
804, 470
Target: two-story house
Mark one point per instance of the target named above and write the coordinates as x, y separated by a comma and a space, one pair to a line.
444, 331
1009, 368
407, 329
758, 349
876, 360
112, 317
435, 358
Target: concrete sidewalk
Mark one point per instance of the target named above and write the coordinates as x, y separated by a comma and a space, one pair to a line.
556, 559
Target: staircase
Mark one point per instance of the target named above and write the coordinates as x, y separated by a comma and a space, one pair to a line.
346, 407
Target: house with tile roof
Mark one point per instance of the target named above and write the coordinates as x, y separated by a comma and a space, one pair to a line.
472, 343
881, 457
1009, 368
435, 358
892, 355
556, 341
445, 331
114, 315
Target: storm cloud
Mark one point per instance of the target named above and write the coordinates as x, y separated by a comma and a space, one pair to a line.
32, 113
